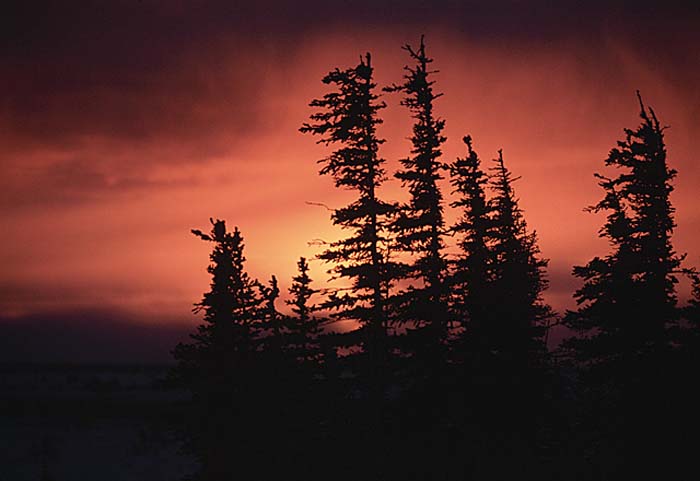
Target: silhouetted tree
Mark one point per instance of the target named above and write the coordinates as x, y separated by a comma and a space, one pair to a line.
217, 365
628, 298
519, 278
498, 277
694, 305
230, 307
304, 328
272, 321
348, 117
501, 283
607, 295
419, 224
627, 306
472, 274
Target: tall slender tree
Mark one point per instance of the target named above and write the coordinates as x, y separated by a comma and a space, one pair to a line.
419, 224
472, 274
348, 117
519, 276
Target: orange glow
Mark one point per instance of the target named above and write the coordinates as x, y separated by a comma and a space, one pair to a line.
92, 218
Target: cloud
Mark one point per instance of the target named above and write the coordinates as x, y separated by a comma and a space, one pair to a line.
202, 99
195, 75
66, 181
142, 72
124, 124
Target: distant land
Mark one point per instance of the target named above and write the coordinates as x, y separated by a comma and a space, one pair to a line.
89, 338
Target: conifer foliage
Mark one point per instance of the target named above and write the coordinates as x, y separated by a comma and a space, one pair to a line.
498, 277
628, 298
304, 327
273, 389
518, 274
472, 271
230, 308
348, 118
419, 225
217, 366
271, 323
627, 314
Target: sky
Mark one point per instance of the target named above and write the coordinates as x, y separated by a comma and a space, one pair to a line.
123, 125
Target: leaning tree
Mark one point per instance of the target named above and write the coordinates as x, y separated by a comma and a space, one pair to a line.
628, 299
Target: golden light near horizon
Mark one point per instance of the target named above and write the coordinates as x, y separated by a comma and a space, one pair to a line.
119, 209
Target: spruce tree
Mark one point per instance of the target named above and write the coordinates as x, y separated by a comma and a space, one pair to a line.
272, 321
472, 270
628, 310
230, 308
607, 295
628, 299
519, 279
348, 117
217, 366
497, 280
419, 224
304, 328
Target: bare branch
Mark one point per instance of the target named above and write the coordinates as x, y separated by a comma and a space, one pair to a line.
319, 204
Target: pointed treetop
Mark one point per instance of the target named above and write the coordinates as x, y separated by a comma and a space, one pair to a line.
218, 233
367, 63
467, 139
641, 102
420, 53
219, 228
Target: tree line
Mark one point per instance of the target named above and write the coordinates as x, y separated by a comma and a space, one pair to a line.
448, 374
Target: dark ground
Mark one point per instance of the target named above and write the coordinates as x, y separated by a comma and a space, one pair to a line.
84, 422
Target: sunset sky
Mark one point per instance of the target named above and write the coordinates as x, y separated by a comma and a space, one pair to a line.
125, 124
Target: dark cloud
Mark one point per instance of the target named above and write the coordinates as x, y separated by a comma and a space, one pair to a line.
63, 101
144, 70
